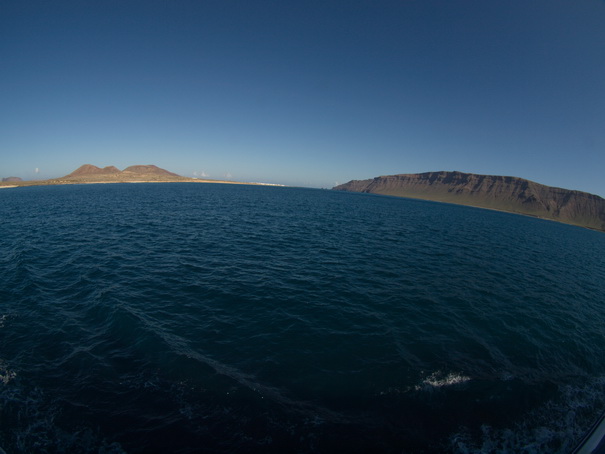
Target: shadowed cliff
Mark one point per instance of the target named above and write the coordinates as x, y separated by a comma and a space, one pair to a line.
511, 194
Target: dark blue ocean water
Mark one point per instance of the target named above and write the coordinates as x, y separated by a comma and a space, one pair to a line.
217, 318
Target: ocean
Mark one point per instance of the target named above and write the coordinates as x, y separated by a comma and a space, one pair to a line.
212, 318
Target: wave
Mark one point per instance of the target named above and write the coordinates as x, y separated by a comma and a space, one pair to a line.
552, 428
6, 375
231, 316
34, 426
180, 346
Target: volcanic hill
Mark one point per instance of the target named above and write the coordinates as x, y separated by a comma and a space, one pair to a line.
110, 174
511, 194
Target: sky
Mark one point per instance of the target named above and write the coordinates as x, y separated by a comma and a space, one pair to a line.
306, 93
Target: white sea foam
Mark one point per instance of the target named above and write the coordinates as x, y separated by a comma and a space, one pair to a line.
6, 375
439, 379
555, 427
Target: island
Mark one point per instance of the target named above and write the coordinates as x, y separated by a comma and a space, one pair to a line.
90, 174
504, 193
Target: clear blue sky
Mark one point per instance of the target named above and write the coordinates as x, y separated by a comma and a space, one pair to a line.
306, 92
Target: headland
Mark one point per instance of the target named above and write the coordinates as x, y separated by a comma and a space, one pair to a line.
504, 193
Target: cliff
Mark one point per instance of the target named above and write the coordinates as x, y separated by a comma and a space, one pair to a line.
511, 194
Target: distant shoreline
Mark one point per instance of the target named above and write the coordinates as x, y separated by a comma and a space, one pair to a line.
91, 174
493, 192
60, 182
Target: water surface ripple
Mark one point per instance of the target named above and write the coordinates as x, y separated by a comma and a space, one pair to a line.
216, 318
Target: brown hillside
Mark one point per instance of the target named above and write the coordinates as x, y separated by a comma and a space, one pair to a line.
93, 174
148, 170
89, 169
504, 193
89, 173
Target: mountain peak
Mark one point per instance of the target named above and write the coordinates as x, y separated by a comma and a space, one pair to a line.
89, 173
149, 169
89, 169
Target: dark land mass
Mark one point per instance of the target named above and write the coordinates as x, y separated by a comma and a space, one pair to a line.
89, 174
511, 194
11, 179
